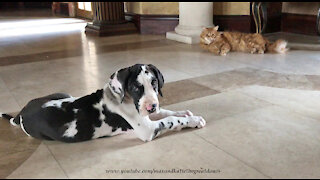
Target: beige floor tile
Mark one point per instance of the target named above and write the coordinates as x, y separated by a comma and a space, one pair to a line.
277, 142
180, 151
304, 102
293, 62
248, 76
183, 90
8, 103
10, 162
41, 164
215, 107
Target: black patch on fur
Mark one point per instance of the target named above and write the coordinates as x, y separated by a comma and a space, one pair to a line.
159, 129
158, 75
171, 125
133, 87
115, 120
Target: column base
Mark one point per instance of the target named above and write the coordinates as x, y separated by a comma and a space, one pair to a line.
183, 38
110, 29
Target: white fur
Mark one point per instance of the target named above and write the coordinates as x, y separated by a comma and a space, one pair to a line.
282, 47
99, 107
103, 130
72, 129
116, 83
207, 40
58, 103
22, 127
75, 110
12, 122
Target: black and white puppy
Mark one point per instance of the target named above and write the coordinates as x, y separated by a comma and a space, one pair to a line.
129, 101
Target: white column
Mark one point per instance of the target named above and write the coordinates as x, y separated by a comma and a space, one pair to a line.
193, 16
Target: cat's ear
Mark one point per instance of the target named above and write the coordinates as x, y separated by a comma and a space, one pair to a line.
204, 28
216, 28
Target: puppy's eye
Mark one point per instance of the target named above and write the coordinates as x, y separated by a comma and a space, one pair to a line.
135, 87
153, 82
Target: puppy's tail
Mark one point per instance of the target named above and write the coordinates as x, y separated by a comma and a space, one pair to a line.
12, 120
280, 46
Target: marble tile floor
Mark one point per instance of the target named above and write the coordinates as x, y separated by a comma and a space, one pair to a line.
262, 111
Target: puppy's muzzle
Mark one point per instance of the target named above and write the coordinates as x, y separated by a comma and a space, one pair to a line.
151, 108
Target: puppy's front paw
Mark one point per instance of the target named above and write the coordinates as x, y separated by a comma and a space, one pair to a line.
184, 113
196, 122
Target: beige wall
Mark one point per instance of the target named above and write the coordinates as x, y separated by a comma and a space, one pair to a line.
310, 8
166, 8
231, 8
133, 7
172, 8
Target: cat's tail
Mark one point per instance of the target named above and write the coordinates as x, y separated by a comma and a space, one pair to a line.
279, 46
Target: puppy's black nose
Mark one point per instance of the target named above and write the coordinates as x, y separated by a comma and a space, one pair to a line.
154, 105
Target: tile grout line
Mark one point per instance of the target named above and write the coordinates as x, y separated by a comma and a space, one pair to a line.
233, 156
64, 172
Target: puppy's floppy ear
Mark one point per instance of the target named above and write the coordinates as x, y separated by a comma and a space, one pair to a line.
158, 75
118, 81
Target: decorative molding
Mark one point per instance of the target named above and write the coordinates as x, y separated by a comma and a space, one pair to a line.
153, 24
160, 24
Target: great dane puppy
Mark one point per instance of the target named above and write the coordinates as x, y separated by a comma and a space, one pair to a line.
129, 101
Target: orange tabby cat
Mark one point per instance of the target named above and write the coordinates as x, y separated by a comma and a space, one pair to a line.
220, 43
